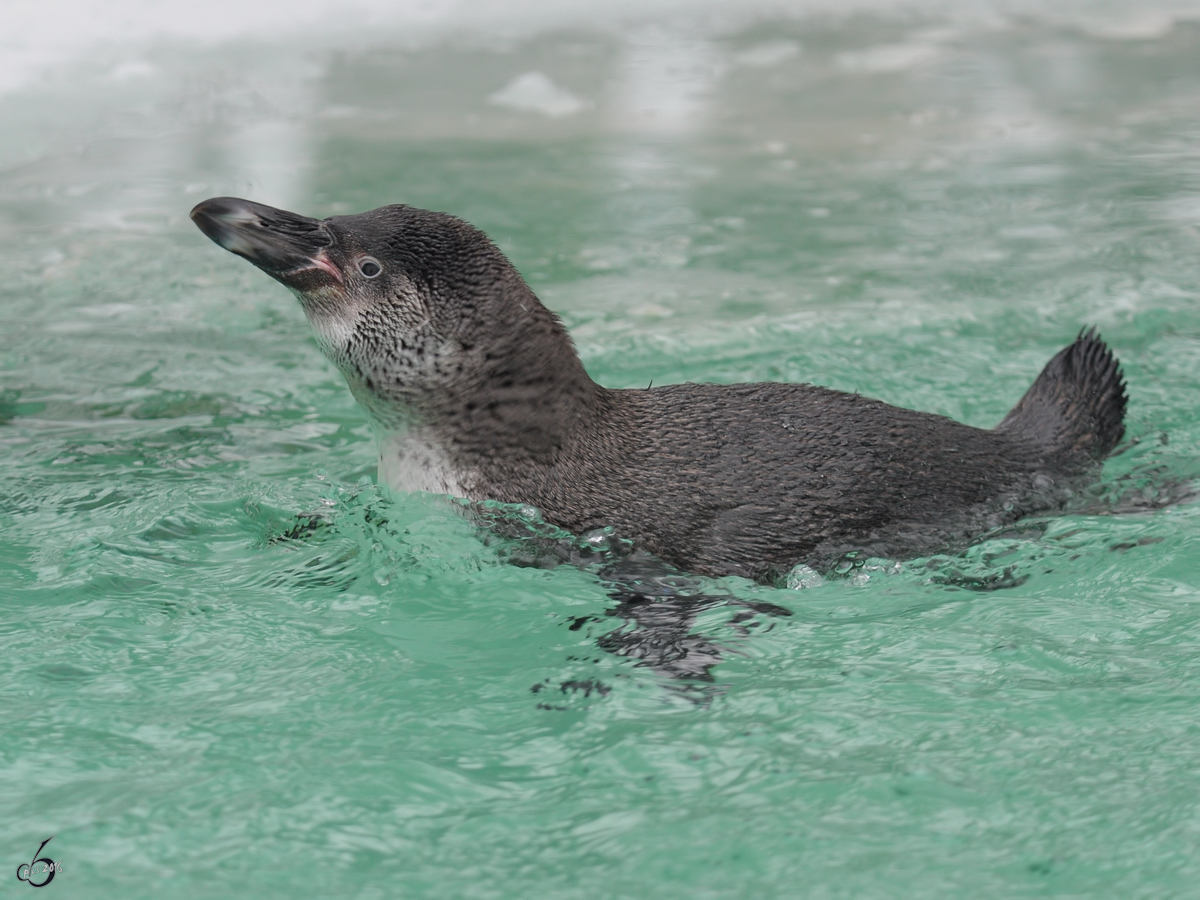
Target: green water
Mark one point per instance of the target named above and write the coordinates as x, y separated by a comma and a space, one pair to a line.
203, 699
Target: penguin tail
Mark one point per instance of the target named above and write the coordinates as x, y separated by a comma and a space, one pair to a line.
1077, 405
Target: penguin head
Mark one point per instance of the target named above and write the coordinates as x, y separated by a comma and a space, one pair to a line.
420, 310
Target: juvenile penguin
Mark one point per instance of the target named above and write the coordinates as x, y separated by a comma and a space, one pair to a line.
474, 389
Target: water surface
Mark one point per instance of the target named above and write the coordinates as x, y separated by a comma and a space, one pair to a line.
233, 666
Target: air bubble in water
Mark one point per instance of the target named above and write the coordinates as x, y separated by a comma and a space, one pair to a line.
802, 577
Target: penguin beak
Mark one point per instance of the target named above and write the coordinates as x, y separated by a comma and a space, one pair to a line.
289, 248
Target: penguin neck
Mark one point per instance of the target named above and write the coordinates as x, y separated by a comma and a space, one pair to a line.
522, 400
414, 459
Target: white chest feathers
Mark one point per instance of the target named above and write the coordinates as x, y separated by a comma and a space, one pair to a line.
409, 461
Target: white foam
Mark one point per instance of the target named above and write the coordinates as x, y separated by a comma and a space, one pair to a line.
535, 92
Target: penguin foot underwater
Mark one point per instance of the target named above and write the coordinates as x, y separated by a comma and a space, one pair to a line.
474, 389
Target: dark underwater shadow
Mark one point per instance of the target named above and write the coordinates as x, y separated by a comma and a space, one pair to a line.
655, 607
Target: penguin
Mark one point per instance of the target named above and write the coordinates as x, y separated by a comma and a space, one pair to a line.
474, 389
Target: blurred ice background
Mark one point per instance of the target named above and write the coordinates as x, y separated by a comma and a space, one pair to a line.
244, 90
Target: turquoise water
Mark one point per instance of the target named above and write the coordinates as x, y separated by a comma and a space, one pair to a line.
233, 666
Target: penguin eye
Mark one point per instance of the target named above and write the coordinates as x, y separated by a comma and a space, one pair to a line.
369, 267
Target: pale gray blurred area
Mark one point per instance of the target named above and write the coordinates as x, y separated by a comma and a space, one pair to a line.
120, 116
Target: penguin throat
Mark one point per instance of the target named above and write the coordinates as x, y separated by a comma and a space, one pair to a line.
414, 460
